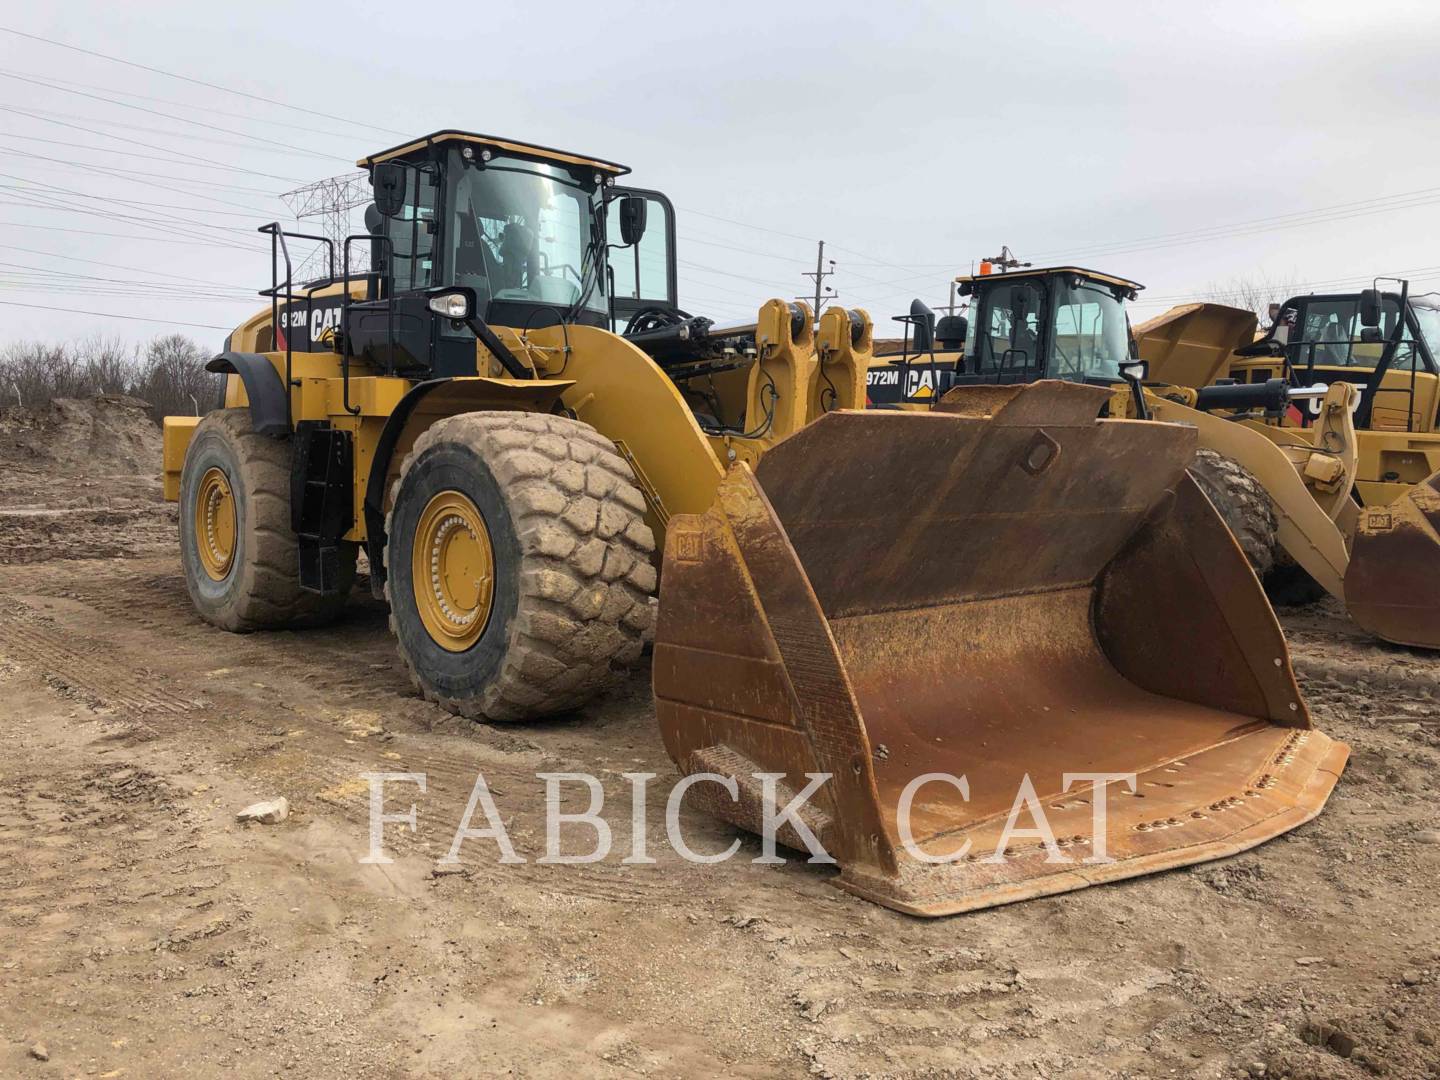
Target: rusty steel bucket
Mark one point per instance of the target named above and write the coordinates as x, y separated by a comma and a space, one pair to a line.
1392, 586
1000, 589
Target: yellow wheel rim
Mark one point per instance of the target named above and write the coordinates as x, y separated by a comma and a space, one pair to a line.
215, 524
452, 569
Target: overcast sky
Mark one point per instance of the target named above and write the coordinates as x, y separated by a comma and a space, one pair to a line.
1185, 146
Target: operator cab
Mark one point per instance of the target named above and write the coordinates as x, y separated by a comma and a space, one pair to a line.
521, 236
1385, 342
1023, 325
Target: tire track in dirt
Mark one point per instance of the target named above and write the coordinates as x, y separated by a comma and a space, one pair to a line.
82, 666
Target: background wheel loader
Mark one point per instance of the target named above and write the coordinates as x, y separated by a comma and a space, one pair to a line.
1285, 497
461, 409
1384, 343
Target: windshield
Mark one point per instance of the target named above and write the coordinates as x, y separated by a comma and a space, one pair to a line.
1329, 331
1092, 336
525, 232
1427, 314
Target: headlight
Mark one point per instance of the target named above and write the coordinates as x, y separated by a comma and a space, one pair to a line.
453, 305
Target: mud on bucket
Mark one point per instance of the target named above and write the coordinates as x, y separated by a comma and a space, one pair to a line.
1006, 590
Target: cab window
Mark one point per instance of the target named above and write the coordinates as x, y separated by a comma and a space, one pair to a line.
642, 271
411, 248
1007, 335
1092, 335
1330, 331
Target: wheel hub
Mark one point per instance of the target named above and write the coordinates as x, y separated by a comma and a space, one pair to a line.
453, 571
215, 524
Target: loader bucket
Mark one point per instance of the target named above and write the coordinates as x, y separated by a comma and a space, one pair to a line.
1005, 589
1392, 586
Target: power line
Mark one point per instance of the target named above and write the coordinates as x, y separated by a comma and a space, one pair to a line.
194, 163
37, 190
112, 315
93, 232
197, 82
1203, 295
170, 116
46, 119
162, 187
747, 225
46, 201
125, 174
183, 104
117, 266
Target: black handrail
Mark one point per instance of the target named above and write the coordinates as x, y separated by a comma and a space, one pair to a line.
380, 278
277, 244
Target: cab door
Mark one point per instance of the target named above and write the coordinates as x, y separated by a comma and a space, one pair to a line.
1007, 336
642, 275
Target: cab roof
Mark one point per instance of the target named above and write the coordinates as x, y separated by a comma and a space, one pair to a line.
1047, 271
509, 146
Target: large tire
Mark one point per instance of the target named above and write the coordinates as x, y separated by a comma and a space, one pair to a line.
1242, 502
572, 598
260, 589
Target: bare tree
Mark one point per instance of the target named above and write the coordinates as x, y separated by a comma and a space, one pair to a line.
174, 379
1254, 292
167, 372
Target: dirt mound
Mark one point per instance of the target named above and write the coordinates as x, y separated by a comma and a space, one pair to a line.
80, 479
94, 436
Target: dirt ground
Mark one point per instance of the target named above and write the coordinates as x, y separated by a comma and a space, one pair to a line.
144, 933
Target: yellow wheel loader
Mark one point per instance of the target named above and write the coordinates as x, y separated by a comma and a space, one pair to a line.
1383, 342
462, 409
1285, 493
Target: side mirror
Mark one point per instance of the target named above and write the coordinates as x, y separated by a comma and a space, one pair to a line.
388, 180
1370, 307
924, 321
1370, 335
632, 220
1135, 371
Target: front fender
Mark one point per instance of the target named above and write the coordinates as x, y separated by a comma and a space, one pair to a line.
264, 388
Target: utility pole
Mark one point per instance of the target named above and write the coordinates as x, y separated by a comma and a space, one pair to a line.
330, 200
1006, 260
823, 293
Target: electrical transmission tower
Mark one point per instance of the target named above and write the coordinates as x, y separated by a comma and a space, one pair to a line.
330, 201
